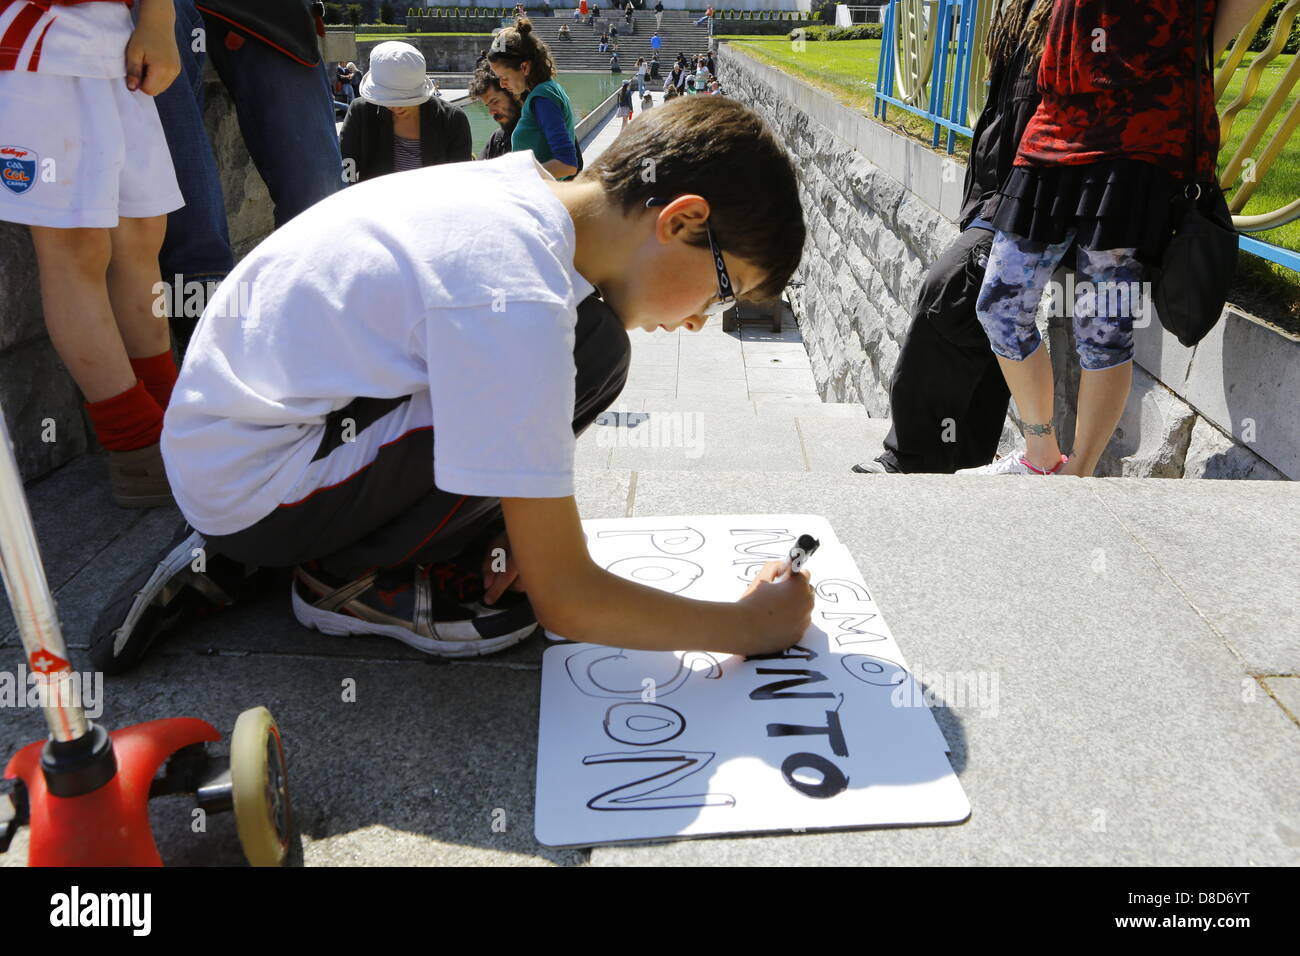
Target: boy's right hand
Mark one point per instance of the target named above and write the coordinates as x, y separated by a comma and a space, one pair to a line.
780, 612
572, 596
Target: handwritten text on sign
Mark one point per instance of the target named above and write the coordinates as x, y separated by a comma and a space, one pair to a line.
637, 745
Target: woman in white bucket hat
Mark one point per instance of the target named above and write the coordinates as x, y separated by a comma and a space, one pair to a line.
399, 123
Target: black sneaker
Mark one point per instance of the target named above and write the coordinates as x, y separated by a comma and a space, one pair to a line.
165, 594
435, 608
875, 467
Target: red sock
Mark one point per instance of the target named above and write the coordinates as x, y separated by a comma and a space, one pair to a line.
127, 421
158, 374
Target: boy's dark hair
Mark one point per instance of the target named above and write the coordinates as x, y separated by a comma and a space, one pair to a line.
722, 150
514, 46
483, 82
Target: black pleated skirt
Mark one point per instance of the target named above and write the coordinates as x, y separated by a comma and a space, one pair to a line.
1114, 204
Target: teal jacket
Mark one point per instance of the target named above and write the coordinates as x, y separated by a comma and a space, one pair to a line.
529, 134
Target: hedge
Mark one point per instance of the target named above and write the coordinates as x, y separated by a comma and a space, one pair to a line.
1267, 27
867, 31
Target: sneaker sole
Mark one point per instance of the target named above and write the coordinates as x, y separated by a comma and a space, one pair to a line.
345, 625
117, 639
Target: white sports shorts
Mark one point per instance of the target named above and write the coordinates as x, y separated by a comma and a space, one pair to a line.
77, 152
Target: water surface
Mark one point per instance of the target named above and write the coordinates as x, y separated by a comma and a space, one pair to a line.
586, 91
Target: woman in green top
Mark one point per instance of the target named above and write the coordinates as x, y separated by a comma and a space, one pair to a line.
524, 66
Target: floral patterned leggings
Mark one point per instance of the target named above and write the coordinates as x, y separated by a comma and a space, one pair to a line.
1108, 295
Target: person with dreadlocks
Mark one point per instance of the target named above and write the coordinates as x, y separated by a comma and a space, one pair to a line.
948, 399
1096, 169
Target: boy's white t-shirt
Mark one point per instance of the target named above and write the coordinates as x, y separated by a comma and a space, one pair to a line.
82, 39
454, 284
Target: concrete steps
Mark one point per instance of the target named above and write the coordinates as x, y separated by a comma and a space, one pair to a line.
1159, 591
769, 437
712, 401
679, 35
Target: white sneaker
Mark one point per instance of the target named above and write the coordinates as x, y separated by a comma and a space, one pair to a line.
1014, 463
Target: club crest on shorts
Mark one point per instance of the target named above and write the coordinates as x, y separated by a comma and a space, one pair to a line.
17, 169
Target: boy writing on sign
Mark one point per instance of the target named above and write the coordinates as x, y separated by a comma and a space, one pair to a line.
395, 417
84, 164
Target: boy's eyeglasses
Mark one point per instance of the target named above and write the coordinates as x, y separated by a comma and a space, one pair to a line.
726, 295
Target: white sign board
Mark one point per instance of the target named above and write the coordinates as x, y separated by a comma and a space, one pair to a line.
833, 733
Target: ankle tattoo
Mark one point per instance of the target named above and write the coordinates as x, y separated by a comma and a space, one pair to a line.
1038, 430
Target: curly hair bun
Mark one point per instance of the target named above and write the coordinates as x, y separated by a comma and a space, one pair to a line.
524, 25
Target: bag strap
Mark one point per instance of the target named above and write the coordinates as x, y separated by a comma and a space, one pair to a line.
1195, 158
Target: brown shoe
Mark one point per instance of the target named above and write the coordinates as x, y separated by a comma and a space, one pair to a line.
138, 478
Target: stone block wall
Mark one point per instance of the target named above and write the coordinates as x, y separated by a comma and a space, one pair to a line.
42, 405
441, 54
880, 209
870, 242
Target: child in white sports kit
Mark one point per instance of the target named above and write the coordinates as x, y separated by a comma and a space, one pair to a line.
393, 420
84, 164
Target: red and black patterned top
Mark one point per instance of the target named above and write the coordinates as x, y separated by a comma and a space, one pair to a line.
1116, 79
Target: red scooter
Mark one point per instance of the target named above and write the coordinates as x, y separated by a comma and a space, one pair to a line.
84, 791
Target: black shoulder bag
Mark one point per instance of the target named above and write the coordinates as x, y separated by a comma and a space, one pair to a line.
1200, 258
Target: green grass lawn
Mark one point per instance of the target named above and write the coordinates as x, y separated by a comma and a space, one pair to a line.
846, 66
847, 69
1280, 185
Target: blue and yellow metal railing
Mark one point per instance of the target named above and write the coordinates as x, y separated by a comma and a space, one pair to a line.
932, 64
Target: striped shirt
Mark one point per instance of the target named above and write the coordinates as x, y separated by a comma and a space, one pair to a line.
66, 37
406, 154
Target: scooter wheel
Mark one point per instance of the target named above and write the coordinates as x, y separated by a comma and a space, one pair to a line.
260, 789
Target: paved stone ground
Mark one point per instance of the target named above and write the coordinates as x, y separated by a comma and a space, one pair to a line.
1141, 715
1142, 632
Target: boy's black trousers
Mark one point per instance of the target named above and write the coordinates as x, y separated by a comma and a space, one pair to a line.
948, 399
391, 513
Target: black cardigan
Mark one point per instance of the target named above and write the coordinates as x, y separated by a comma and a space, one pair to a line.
1013, 99
367, 136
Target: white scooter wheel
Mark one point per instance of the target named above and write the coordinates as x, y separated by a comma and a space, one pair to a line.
260, 788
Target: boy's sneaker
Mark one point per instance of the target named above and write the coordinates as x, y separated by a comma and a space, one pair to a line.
165, 594
1012, 464
138, 478
434, 608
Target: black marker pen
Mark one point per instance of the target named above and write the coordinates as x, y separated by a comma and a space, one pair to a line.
803, 550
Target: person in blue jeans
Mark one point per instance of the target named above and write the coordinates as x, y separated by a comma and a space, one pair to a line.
286, 115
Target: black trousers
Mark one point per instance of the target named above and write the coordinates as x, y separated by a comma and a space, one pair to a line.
947, 398
390, 513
